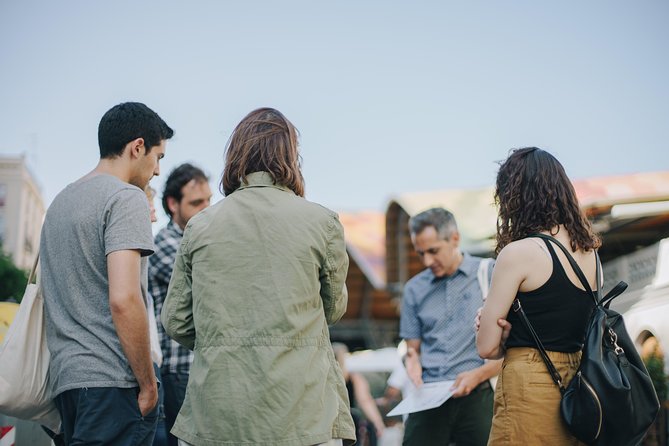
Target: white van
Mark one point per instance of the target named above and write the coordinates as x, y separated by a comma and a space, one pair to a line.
645, 304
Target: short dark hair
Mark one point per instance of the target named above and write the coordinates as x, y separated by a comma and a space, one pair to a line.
264, 141
126, 122
440, 219
178, 178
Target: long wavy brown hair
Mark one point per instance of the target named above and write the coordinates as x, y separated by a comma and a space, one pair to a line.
264, 141
534, 194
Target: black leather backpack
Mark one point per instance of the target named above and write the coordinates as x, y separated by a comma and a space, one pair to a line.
611, 400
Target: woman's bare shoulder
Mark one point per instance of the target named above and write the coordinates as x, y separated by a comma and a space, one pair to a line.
529, 259
520, 248
523, 253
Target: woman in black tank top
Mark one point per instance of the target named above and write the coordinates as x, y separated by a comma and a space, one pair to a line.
535, 195
558, 309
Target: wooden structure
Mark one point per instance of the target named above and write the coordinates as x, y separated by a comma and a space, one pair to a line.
372, 317
629, 211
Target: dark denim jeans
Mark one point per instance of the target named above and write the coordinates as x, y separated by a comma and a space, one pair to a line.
174, 385
160, 439
105, 415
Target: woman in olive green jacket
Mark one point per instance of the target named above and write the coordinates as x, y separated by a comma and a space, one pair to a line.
257, 279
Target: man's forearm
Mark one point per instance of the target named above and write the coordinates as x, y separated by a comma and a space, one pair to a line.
412, 362
489, 369
132, 327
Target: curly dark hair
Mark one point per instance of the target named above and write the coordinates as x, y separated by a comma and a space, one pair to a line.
534, 194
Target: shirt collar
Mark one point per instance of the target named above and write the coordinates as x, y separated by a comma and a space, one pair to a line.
467, 266
175, 228
261, 179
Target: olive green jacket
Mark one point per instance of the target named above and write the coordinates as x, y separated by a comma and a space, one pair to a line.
257, 279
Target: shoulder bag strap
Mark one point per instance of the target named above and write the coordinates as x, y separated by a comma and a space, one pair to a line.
517, 308
33, 272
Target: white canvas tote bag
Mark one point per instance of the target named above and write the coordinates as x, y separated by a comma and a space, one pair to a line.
25, 391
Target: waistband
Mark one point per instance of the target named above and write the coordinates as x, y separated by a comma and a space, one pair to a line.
484, 385
532, 355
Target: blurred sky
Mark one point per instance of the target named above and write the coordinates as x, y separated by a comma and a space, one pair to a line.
389, 97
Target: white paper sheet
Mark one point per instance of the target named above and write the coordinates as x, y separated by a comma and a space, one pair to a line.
427, 396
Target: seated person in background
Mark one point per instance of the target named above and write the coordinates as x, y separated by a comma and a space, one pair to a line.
398, 385
368, 421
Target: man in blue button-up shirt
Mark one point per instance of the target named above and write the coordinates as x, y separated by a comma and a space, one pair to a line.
438, 309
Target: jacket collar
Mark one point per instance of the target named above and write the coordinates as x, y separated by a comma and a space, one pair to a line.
261, 179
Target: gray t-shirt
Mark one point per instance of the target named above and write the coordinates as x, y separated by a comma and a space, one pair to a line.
88, 220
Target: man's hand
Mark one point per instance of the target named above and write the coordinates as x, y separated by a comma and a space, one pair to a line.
506, 329
414, 369
147, 399
379, 427
465, 382
502, 323
477, 319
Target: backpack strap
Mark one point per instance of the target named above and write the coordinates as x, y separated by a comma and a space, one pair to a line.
599, 301
518, 308
615, 292
483, 275
596, 296
555, 375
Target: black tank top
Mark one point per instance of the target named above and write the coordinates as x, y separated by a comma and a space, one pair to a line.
558, 310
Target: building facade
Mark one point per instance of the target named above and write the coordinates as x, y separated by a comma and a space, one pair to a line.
21, 211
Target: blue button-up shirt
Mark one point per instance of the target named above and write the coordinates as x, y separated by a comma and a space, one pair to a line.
440, 313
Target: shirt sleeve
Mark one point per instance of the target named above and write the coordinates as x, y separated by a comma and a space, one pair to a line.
398, 377
127, 223
410, 327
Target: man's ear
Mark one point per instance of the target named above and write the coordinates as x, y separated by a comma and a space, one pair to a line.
455, 237
413, 240
172, 205
136, 147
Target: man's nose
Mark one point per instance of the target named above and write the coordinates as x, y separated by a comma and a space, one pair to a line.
428, 260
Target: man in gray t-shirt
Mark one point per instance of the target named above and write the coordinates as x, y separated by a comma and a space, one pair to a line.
94, 234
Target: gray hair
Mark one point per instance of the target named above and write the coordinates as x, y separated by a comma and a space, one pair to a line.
439, 218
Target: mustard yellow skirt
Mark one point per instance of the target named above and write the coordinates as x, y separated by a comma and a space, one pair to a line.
526, 410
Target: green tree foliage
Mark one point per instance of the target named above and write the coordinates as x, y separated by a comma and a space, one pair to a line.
12, 279
655, 365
